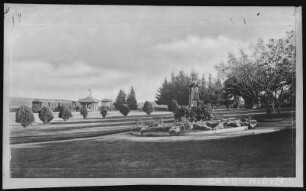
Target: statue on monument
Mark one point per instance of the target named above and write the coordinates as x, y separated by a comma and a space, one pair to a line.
194, 94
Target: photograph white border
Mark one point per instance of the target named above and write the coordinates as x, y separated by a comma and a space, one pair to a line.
12, 183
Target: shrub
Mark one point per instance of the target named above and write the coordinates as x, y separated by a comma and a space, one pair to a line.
174, 106
147, 107
64, 113
24, 115
103, 111
182, 112
202, 112
124, 109
84, 112
45, 114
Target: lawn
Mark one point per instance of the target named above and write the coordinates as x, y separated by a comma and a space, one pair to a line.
263, 155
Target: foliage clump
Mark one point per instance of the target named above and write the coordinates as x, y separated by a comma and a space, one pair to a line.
120, 100
121, 103
266, 77
64, 113
45, 114
84, 112
147, 107
202, 112
124, 109
24, 115
103, 111
131, 100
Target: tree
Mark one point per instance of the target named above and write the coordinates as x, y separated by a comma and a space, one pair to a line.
120, 100
103, 111
194, 76
218, 91
84, 112
65, 113
212, 92
24, 115
165, 93
124, 109
264, 76
147, 107
276, 73
45, 114
240, 77
131, 100
202, 89
177, 88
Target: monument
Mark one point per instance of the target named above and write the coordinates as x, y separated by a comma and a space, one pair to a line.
194, 97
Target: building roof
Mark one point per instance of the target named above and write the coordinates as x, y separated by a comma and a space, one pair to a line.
106, 100
88, 99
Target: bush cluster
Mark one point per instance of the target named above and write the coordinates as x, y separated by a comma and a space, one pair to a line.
65, 113
24, 115
147, 107
84, 112
183, 111
78, 108
202, 112
45, 114
121, 103
124, 109
103, 111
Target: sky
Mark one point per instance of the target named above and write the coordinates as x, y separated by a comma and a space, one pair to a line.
61, 51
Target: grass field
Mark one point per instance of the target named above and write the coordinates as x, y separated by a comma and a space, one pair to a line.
263, 155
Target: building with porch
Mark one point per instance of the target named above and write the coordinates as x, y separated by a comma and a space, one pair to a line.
90, 103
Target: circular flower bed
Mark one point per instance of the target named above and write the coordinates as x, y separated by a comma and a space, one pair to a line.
157, 128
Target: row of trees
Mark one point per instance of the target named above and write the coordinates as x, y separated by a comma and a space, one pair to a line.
177, 88
124, 103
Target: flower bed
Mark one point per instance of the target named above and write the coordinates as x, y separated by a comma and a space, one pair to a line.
185, 126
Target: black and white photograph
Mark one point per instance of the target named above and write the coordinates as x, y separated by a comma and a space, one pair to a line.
134, 94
